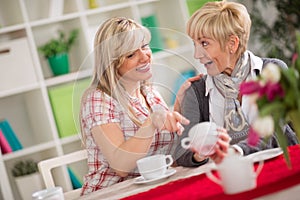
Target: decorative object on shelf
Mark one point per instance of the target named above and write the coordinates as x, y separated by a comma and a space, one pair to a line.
276, 93
4, 145
15, 53
194, 5
62, 106
27, 178
76, 183
150, 21
93, 4
56, 51
10, 135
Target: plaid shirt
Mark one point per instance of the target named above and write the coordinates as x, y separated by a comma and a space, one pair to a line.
100, 108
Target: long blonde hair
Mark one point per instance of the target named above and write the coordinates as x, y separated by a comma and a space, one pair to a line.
115, 39
220, 20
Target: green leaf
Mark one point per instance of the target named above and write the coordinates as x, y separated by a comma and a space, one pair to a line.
289, 99
290, 76
271, 108
59, 45
294, 116
282, 140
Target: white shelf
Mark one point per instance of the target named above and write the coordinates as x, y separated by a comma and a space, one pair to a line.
19, 90
52, 20
12, 28
28, 107
68, 77
29, 150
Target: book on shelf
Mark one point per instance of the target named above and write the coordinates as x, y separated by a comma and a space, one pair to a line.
5, 147
76, 183
62, 103
10, 135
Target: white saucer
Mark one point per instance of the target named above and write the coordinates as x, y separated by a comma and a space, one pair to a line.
141, 180
265, 154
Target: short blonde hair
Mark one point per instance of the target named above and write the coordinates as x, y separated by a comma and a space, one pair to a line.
220, 20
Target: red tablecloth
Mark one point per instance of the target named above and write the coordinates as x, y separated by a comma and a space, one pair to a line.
274, 176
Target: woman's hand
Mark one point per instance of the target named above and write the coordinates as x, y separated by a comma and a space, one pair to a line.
182, 89
170, 121
221, 149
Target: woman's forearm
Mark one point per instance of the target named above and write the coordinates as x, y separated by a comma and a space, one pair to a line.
122, 154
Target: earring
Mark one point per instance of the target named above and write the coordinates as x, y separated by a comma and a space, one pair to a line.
231, 51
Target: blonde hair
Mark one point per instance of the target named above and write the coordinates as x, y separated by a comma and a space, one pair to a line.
220, 20
115, 39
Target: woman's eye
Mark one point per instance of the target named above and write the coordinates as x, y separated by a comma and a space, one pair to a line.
145, 46
130, 56
204, 43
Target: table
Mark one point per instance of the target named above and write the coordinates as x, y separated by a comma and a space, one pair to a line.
275, 181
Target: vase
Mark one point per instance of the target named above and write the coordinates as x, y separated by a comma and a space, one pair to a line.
59, 64
29, 184
150, 21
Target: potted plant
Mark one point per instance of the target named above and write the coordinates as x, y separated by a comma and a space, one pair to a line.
56, 51
27, 178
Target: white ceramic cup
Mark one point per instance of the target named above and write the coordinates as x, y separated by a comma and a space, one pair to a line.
202, 138
155, 166
236, 174
55, 193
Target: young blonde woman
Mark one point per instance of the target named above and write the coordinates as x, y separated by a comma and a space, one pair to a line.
122, 116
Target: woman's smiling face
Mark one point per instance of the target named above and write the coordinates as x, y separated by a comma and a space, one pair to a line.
137, 65
211, 55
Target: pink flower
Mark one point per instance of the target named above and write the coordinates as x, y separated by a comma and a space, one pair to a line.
273, 90
294, 58
250, 87
253, 137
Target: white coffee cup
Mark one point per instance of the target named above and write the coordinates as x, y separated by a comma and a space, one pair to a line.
236, 174
55, 193
155, 166
202, 138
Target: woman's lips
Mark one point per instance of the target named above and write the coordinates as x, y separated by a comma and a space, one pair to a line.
208, 64
143, 68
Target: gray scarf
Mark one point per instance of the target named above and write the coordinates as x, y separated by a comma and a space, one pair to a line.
234, 119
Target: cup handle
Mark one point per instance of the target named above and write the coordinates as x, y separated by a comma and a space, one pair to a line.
186, 143
169, 160
259, 168
212, 177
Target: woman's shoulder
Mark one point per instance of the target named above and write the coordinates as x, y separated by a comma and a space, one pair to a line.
199, 85
95, 94
276, 61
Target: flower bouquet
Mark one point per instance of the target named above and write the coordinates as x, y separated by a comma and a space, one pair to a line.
276, 94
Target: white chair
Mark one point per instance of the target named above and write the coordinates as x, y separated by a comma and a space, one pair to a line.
45, 167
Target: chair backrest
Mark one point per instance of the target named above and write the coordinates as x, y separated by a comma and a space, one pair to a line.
45, 166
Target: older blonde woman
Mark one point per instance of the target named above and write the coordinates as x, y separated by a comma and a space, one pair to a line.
122, 116
220, 32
